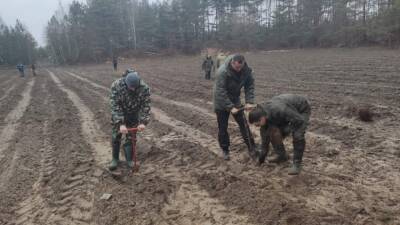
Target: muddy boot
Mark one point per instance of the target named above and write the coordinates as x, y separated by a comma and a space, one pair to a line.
262, 155
226, 155
298, 150
128, 155
295, 169
281, 155
115, 157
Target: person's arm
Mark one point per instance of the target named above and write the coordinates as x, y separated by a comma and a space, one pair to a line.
221, 92
249, 89
117, 114
265, 139
144, 112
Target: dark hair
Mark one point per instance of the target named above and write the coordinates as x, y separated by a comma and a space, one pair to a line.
256, 114
238, 58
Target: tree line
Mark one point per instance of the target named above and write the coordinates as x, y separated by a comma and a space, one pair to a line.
101, 29
17, 45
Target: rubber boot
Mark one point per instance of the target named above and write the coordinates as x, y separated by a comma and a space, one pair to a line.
298, 150
225, 153
262, 155
281, 155
128, 155
115, 156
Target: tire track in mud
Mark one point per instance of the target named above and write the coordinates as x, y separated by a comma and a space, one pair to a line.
20, 165
49, 204
190, 201
89, 127
85, 176
330, 173
7, 92
13, 118
35, 208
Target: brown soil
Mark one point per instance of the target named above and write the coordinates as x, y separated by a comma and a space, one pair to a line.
53, 159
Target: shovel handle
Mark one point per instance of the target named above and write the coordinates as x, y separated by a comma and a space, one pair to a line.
133, 129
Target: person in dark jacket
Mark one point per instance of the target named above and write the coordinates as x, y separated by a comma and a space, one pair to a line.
33, 68
207, 67
282, 115
115, 63
233, 76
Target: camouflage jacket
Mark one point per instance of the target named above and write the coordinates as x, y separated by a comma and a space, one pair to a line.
229, 84
125, 102
286, 109
288, 112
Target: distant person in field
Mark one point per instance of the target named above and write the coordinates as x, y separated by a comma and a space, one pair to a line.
130, 107
277, 118
33, 68
231, 78
115, 63
221, 57
207, 67
21, 68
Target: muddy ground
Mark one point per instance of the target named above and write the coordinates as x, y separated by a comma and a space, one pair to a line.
55, 144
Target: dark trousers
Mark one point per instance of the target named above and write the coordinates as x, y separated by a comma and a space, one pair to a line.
208, 75
223, 135
115, 66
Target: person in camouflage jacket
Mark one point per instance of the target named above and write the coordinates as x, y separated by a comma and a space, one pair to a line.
130, 107
277, 118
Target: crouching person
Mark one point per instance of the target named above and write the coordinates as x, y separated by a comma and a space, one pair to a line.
281, 116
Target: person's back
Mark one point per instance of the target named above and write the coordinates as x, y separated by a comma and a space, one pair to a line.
280, 116
297, 102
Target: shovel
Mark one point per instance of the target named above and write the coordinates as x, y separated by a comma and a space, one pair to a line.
134, 131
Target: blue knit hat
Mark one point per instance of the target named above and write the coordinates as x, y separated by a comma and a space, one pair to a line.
132, 79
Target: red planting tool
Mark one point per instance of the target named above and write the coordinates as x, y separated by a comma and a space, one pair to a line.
134, 131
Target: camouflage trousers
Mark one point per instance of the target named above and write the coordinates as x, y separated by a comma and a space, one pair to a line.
116, 136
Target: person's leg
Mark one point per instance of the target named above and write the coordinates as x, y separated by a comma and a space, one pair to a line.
223, 136
245, 132
278, 146
299, 144
115, 143
128, 149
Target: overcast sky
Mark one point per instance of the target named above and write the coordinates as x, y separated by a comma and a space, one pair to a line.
34, 14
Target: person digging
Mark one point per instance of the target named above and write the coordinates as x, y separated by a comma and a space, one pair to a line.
282, 115
231, 78
130, 107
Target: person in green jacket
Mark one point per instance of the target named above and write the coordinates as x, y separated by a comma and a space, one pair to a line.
277, 118
233, 76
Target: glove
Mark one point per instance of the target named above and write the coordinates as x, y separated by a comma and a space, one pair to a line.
249, 106
234, 110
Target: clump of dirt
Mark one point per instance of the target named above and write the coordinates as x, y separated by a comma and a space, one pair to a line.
365, 114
